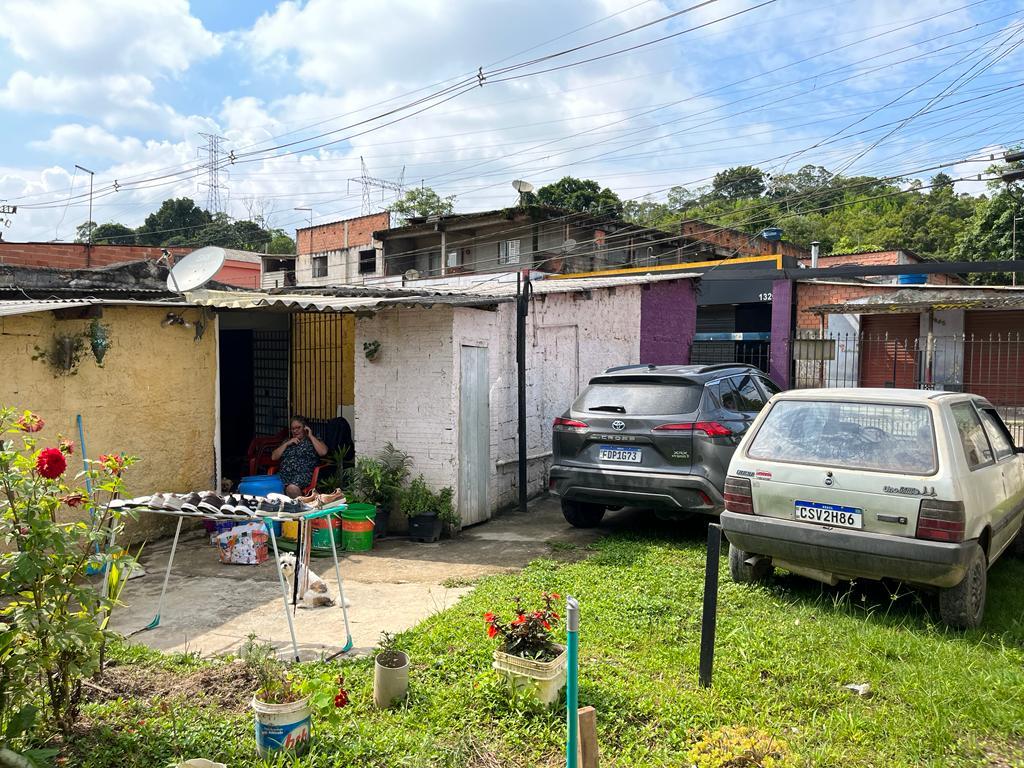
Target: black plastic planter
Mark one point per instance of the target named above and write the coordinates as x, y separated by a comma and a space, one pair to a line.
381, 522
426, 528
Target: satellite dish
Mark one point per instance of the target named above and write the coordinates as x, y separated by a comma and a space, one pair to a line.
196, 269
411, 274
568, 245
522, 187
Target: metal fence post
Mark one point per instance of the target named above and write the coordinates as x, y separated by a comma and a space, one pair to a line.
710, 614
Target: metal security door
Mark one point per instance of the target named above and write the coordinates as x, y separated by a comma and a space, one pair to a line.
474, 436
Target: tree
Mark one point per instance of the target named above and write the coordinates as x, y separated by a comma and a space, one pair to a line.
988, 235
423, 201
581, 196
113, 233
739, 183
280, 243
177, 221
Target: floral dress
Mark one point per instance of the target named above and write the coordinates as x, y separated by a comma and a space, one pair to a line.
297, 464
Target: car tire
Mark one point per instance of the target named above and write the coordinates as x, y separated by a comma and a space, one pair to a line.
744, 573
963, 606
1017, 547
581, 515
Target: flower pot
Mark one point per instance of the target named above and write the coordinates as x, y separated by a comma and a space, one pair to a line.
200, 762
543, 679
425, 528
282, 727
390, 678
382, 522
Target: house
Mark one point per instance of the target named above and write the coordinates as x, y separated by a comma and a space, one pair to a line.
241, 268
340, 252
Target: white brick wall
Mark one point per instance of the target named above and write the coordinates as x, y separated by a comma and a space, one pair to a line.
410, 394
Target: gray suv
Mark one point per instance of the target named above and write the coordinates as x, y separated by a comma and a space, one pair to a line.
657, 436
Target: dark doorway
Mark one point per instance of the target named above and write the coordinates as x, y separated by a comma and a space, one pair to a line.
236, 400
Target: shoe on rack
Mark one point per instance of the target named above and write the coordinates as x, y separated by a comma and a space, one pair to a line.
156, 501
190, 503
210, 504
335, 497
173, 502
139, 501
295, 509
269, 507
312, 499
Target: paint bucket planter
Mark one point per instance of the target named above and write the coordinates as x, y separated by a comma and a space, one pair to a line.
390, 678
282, 727
357, 527
200, 762
324, 529
425, 528
542, 679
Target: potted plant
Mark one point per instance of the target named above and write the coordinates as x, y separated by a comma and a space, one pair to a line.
282, 712
396, 466
446, 512
390, 674
428, 511
528, 656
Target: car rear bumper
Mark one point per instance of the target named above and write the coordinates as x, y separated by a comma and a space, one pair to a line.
848, 554
664, 491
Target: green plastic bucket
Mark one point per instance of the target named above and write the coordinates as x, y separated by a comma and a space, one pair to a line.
357, 527
323, 529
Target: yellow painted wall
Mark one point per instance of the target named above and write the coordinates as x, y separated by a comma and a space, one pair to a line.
154, 398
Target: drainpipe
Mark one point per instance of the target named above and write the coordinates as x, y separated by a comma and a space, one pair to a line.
814, 254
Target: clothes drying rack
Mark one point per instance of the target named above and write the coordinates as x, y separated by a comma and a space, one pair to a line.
268, 521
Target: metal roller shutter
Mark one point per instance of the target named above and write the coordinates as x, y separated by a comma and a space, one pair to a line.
889, 345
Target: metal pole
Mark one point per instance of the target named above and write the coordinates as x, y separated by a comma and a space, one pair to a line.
284, 587
1013, 247
710, 615
90, 221
522, 308
572, 699
167, 577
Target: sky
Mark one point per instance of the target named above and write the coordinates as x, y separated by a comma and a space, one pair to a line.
304, 93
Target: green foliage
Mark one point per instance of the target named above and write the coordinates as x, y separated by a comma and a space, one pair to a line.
176, 222
53, 624
110, 233
581, 196
419, 499
988, 234
274, 684
423, 201
739, 183
280, 243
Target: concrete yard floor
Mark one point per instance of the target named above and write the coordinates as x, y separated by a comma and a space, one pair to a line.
211, 608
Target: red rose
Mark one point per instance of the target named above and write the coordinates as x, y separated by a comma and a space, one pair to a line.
73, 499
51, 463
30, 422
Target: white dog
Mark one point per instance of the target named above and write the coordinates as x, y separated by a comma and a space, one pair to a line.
320, 597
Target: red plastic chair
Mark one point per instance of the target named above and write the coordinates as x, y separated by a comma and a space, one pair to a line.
260, 450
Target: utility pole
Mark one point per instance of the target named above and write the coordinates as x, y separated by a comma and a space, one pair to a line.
1010, 176
214, 199
91, 223
369, 181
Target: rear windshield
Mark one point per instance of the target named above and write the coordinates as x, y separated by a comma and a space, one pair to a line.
640, 398
894, 438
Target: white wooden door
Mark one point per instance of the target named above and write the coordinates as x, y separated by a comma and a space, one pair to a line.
474, 436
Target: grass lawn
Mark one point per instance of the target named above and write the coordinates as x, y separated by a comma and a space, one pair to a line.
784, 653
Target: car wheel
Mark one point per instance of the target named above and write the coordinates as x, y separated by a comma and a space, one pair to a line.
581, 515
963, 606
743, 572
1018, 544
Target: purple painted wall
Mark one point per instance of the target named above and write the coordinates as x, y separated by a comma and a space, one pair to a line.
782, 331
668, 320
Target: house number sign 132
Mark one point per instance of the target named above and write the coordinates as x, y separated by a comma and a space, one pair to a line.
764, 296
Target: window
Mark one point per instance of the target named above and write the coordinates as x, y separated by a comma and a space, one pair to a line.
889, 438
997, 433
433, 264
640, 398
749, 397
368, 261
972, 436
319, 266
727, 395
508, 252
768, 386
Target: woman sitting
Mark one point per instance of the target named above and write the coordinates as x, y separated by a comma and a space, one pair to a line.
298, 456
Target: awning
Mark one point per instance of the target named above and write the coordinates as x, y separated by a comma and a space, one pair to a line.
924, 298
315, 303
11, 307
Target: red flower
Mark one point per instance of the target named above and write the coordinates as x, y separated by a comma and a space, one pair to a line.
341, 699
30, 422
555, 596
492, 631
51, 463
489, 617
66, 446
73, 499
113, 462
520, 619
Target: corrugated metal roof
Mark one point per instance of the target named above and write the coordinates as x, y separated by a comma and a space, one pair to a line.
13, 307
922, 298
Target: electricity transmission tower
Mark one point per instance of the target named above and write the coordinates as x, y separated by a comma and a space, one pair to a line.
214, 199
370, 182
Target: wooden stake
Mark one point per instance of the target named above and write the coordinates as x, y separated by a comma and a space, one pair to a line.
588, 737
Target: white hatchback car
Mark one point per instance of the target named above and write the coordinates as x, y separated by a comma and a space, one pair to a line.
836, 484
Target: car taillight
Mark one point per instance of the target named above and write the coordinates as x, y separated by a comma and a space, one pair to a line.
569, 425
709, 428
941, 520
738, 496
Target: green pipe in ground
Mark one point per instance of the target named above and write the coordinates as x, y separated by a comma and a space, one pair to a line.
572, 698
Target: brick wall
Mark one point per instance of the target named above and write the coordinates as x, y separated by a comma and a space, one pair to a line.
78, 255
340, 234
814, 294
880, 258
739, 241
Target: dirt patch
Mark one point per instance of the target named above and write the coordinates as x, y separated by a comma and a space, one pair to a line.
1006, 754
229, 685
